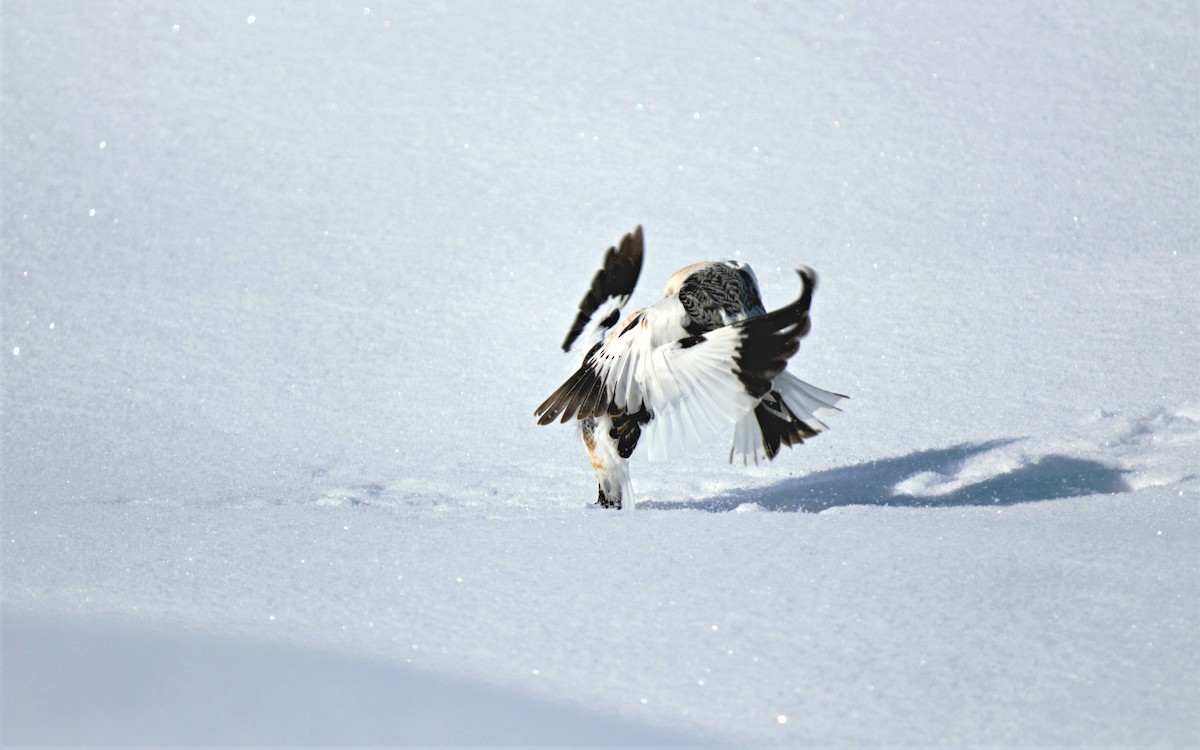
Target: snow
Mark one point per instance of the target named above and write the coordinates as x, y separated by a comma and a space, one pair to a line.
184, 688
282, 287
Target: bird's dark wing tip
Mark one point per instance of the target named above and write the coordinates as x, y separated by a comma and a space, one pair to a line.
615, 280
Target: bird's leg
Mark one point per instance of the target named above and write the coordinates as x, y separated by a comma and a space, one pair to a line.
603, 500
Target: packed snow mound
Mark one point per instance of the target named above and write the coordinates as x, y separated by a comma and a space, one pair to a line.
68, 682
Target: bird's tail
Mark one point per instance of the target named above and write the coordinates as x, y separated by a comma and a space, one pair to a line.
787, 415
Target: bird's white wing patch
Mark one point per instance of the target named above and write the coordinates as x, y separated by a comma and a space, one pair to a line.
694, 392
611, 377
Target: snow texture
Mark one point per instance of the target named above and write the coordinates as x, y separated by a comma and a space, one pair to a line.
283, 284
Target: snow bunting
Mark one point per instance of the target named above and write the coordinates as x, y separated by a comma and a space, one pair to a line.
706, 357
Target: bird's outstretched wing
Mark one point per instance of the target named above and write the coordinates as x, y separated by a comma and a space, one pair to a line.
611, 288
690, 386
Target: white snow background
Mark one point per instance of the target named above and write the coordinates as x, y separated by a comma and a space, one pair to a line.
284, 282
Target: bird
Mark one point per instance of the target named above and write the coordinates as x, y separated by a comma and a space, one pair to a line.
704, 358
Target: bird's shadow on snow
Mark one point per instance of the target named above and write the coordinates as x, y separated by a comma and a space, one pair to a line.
883, 482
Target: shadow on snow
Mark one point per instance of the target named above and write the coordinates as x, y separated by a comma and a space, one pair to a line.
1049, 478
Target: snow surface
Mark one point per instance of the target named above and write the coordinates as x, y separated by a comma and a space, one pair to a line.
283, 285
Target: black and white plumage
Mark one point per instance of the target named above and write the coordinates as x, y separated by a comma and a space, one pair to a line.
704, 358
